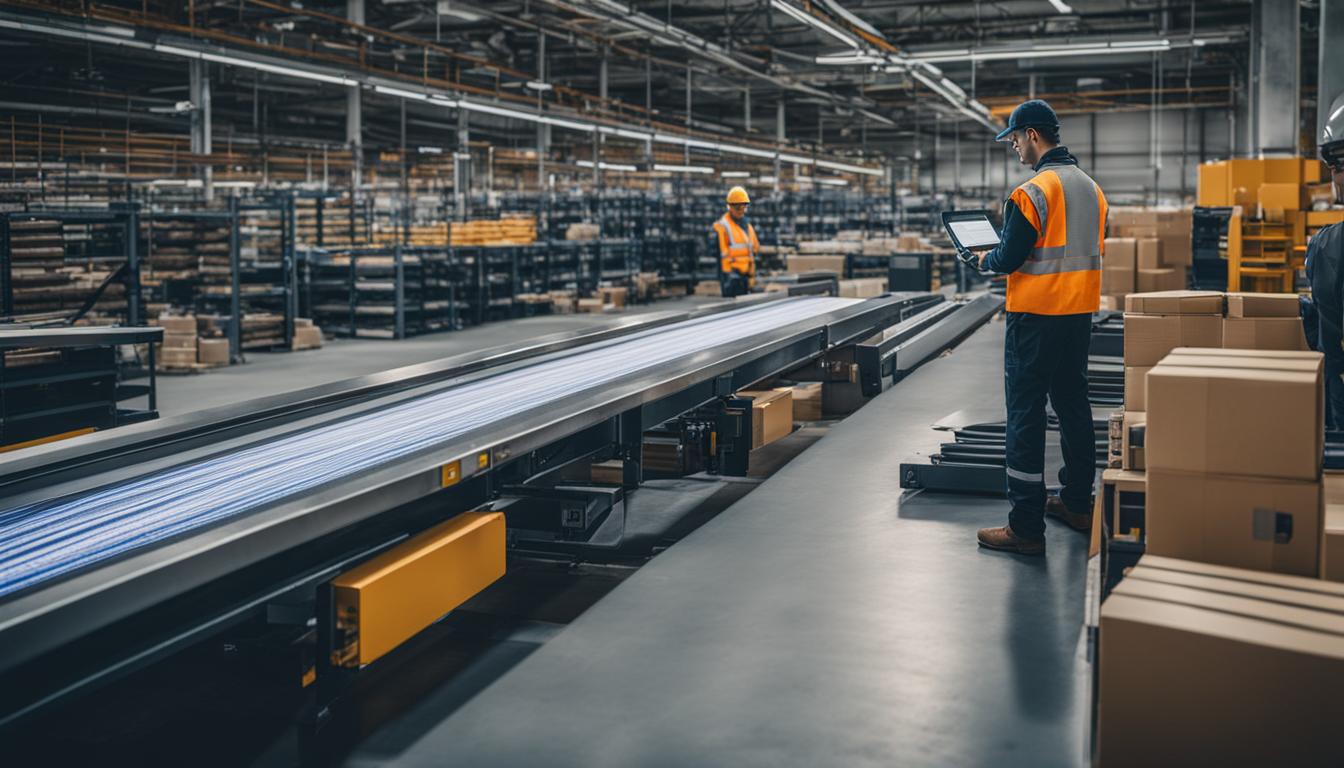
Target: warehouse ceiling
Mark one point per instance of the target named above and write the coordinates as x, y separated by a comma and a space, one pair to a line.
857, 79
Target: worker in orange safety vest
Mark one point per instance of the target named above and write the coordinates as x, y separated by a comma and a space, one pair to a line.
738, 246
1054, 225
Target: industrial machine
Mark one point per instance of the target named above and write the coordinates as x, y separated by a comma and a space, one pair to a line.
378, 504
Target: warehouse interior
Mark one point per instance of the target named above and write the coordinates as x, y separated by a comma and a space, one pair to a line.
615, 382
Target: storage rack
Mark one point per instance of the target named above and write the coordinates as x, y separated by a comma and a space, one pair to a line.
244, 267
69, 265
382, 292
65, 381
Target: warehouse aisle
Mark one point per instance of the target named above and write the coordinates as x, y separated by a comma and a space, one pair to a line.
272, 373
824, 619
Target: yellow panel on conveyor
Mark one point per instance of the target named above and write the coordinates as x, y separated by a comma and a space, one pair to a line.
383, 602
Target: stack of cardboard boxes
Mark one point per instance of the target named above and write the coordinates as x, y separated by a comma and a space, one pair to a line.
1157, 323
1222, 647
178, 350
1148, 250
1233, 451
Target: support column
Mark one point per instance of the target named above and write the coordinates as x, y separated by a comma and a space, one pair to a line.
201, 141
1330, 80
746, 109
354, 112
599, 140
779, 139
462, 166
1275, 88
543, 130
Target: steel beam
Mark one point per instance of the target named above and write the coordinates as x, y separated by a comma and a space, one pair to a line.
1275, 92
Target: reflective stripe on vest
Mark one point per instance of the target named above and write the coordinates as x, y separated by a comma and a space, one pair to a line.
1062, 275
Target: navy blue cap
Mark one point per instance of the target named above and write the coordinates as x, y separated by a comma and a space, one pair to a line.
1030, 114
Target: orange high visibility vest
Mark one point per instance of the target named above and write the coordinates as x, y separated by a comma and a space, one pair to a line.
737, 247
1062, 276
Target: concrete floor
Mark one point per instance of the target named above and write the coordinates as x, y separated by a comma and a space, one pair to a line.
827, 618
272, 373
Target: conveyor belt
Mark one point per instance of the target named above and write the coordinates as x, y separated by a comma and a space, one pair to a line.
827, 619
45, 540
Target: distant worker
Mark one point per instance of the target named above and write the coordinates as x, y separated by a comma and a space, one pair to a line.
738, 246
1050, 248
1325, 271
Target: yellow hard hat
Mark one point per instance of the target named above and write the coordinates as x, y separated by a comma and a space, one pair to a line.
738, 195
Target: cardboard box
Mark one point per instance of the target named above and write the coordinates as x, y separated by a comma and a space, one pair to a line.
863, 288
807, 401
177, 357
1121, 253
306, 337
214, 351
771, 415
1333, 482
180, 340
1332, 543
708, 288
1300, 583
615, 295
1176, 303
1148, 253
177, 324
1243, 522
1135, 387
1133, 431
1148, 338
1176, 249
1262, 305
1117, 281
592, 306
1183, 682
1151, 280
1264, 333
811, 263
1248, 421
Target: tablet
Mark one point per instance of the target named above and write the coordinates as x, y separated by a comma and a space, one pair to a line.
970, 229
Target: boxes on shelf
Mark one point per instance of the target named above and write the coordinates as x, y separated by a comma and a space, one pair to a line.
613, 295
591, 306
1187, 651
805, 263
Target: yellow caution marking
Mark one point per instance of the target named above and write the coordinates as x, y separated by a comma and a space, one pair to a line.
483, 460
47, 439
450, 474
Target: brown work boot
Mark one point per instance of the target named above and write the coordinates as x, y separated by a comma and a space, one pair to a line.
1055, 507
1004, 539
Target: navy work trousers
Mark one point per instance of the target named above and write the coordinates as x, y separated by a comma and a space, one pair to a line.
1046, 356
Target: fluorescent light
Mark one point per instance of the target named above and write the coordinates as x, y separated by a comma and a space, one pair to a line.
1043, 51
848, 168
832, 182
842, 59
235, 184
683, 168
538, 85
812, 21
735, 174
430, 150
174, 51
605, 166
383, 89
570, 124
1061, 6
279, 70
767, 180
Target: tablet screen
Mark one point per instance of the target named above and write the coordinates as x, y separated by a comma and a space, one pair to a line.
974, 233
